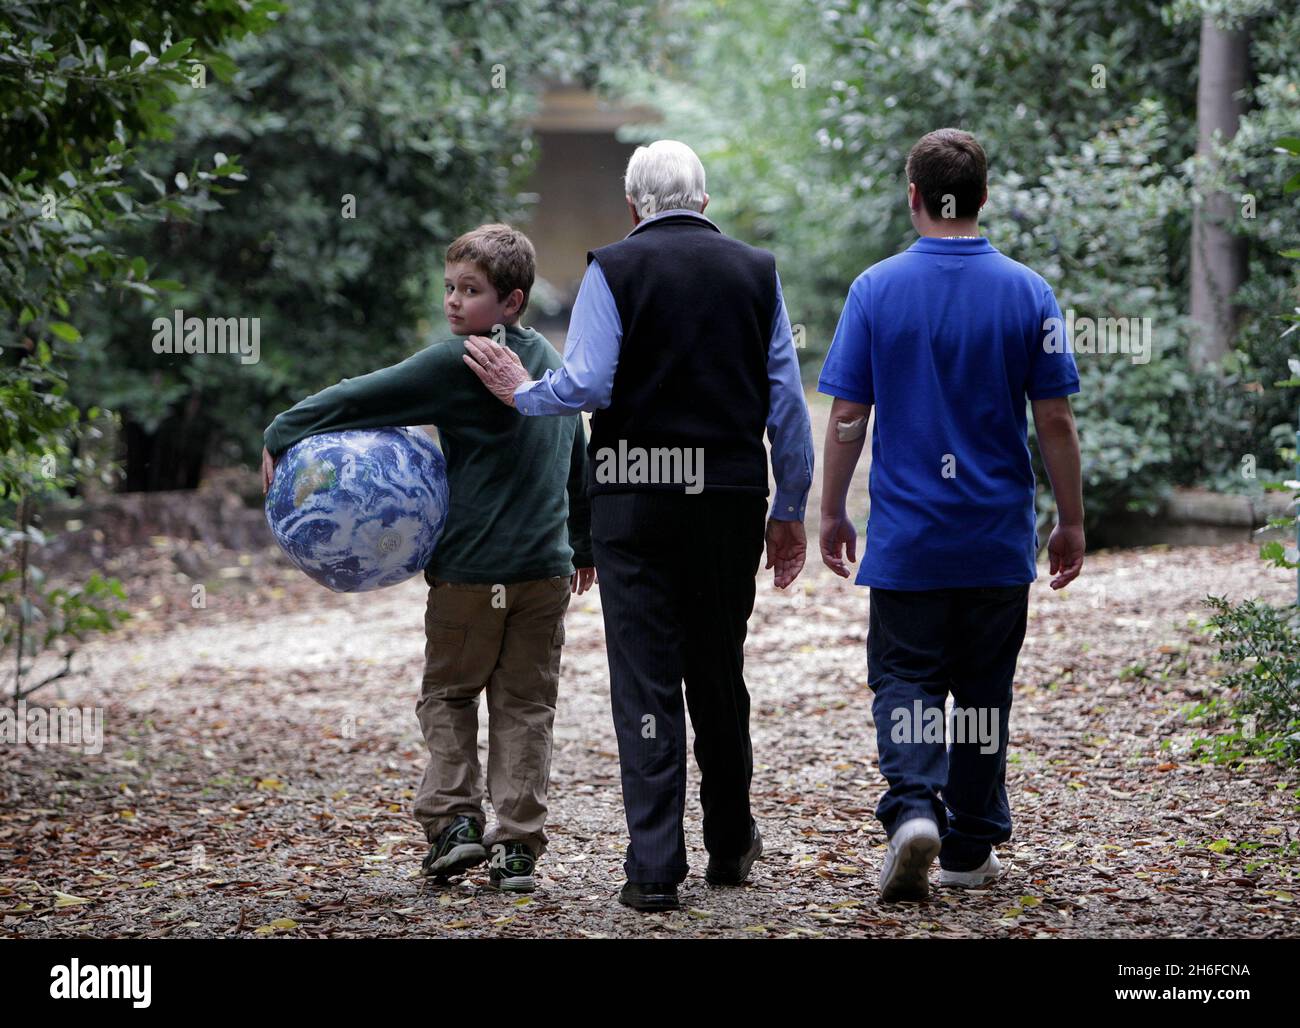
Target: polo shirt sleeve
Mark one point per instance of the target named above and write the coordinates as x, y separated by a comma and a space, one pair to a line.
1052, 371
846, 372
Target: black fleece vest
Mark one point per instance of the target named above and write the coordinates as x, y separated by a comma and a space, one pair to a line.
696, 308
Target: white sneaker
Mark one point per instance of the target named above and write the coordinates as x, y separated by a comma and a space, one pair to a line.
906, 874
988, 872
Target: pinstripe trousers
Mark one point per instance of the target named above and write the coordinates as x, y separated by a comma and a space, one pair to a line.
677, 588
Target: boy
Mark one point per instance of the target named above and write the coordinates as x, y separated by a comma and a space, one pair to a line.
947, 340
500, 579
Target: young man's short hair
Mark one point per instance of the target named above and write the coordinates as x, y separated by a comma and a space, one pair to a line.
950, 172
504, 254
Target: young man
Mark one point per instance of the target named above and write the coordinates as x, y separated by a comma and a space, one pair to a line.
500, 580
945, 342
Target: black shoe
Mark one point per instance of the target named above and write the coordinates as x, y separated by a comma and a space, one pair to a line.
734, 870
459, 847
511, 867
649, 897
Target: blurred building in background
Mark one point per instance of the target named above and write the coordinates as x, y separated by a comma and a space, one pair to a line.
578, 184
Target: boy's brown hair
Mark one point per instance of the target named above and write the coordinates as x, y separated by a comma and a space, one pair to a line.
949, 162
504, 254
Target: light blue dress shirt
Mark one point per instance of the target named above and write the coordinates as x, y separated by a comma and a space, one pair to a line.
586, 382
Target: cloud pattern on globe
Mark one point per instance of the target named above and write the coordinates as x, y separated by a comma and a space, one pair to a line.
361, 509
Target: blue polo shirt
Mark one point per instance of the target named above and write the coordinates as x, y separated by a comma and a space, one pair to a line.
946, 340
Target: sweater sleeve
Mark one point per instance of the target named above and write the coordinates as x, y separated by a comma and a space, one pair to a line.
579, 504
428, 388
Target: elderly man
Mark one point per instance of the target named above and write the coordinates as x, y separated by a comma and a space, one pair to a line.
680, 342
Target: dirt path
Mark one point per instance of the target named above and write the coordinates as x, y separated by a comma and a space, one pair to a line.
261, 752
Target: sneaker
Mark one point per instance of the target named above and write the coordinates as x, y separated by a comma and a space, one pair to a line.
649, 897
912, 849
459, 847
511, 867
734, 871
988, 872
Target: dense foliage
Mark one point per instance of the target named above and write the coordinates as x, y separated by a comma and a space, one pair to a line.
81, 84
371, 136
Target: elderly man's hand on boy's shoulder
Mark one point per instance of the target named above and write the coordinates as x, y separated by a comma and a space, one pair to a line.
498, 367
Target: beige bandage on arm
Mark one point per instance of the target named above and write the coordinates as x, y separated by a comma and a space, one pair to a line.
847, 431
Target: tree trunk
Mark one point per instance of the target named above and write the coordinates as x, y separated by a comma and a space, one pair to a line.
1218, 254
170, 457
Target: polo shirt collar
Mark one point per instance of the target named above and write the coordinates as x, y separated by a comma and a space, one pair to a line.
947, 244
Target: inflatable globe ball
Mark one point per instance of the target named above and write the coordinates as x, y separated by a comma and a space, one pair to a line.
361, 509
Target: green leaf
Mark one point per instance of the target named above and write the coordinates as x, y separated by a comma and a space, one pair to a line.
154, 181
68, 333
176, 51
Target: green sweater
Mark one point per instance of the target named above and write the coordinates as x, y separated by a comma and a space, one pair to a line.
519, 507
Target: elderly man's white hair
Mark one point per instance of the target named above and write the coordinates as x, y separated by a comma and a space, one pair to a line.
664, 176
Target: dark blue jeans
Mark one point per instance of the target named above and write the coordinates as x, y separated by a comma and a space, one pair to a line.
921, 645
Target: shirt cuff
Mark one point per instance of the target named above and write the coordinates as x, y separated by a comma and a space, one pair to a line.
789, 506
522, 400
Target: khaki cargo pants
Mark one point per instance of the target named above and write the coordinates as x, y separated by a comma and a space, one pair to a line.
505, 639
